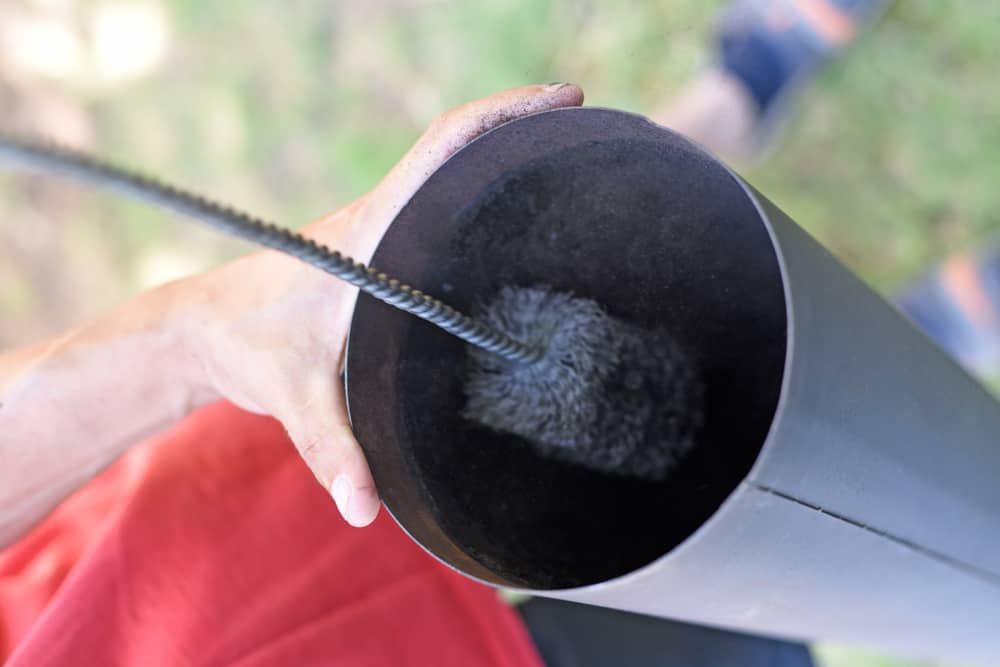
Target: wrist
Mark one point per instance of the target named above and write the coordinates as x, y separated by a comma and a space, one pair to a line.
181, 316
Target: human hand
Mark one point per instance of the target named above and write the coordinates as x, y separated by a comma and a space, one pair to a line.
268, 332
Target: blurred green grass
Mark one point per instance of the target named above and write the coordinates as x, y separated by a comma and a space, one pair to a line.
292, 108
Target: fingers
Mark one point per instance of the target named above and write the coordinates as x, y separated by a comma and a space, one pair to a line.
317, 421
320, 430
455, 128
447, 134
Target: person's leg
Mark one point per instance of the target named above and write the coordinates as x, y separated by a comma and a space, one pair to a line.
213, 545
568, 634
765, 51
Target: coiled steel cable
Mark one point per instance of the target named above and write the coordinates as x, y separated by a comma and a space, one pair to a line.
36, 154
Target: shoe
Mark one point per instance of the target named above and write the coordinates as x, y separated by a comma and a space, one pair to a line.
775, 48
958, 306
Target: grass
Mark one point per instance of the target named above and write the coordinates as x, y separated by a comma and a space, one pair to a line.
894, 164
291, 108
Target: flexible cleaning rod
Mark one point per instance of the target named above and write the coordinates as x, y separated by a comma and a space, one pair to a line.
40, 155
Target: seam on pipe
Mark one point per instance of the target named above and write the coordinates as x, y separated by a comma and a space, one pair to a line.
986, 575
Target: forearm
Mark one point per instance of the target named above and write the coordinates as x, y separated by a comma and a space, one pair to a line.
266, 332
72, 405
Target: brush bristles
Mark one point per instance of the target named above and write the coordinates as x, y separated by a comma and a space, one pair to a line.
605, 395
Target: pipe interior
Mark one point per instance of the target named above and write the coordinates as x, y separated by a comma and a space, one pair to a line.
661, 236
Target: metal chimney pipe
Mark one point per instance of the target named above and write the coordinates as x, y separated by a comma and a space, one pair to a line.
846, 485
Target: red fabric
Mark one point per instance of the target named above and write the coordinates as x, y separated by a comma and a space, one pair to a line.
213, 545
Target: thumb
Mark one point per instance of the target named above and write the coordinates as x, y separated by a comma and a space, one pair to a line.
321, 432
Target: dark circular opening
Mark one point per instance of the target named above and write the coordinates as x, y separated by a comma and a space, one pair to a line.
636, 219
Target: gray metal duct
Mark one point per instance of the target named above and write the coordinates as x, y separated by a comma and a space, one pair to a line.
846, 485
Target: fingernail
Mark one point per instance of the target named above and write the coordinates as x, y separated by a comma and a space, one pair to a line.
341, 492
554, 86
359, 507
363, 506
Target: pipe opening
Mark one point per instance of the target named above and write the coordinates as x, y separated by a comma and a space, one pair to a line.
634, 218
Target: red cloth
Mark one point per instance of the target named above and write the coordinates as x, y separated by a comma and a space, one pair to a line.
213, 545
